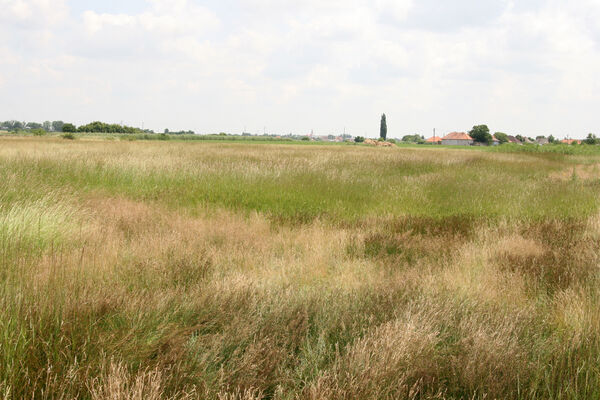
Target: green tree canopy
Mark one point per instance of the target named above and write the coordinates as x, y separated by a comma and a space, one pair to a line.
591, 139
101, 127
481, 134
70, 128
57, 126
502, 137
383, 128
34, 125
413, 139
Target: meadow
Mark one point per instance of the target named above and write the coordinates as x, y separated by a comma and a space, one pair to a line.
185, 270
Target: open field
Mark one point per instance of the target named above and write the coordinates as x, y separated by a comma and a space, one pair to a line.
149, 270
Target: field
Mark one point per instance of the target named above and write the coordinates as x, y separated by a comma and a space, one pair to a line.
183, 270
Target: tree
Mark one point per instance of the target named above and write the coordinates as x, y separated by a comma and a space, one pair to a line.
591, 139
57, 126
69, 128
413, 139
47, 126
34, 125
481, 134
383, 128
520, 138
359, 139
13, 125
502, 137
552, 139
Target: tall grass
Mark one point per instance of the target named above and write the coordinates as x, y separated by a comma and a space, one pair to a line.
236, 271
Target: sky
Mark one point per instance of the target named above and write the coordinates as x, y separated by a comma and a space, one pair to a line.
527, 67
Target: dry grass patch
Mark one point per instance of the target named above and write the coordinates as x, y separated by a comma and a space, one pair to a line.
288, 272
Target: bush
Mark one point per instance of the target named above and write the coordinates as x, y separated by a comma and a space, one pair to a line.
305, 138
68, 135
392, 141
38, 132
359, 139
502, 137
70, 128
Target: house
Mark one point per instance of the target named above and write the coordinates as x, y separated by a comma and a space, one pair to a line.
495, 141
434, 140
457, 139
512, 139
542, 141
570, 141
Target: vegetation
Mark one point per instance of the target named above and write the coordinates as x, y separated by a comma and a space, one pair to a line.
101, 127
413, 139
591, 139
16, 126
481, 134
502, 137
383, 128
69, 128
239, 271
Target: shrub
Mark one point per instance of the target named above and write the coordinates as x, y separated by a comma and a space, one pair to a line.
69, 128
38, 132
359, 139
68, 135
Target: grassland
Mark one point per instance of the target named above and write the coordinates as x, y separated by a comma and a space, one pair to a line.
150, 270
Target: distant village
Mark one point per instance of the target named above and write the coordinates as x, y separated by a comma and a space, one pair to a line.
478, 136
451, 139
464, 139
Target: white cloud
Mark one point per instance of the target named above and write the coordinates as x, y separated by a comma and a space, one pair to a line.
33, 13
526, 66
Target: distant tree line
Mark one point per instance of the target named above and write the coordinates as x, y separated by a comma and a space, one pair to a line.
102, 127
60, 126
168, 132
47, 126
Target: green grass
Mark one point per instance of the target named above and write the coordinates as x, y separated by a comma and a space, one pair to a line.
239, 270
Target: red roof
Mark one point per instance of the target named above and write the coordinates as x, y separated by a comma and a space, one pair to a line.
434, 139
457, 136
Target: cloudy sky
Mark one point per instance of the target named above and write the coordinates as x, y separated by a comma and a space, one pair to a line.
521, 66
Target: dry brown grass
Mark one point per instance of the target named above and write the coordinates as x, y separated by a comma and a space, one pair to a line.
134, 296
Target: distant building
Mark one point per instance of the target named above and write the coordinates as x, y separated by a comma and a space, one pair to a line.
512, 139
434, 140
457, 139
570, 141
542, 141
495, 141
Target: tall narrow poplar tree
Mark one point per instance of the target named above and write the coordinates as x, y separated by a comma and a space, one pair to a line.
383, 128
